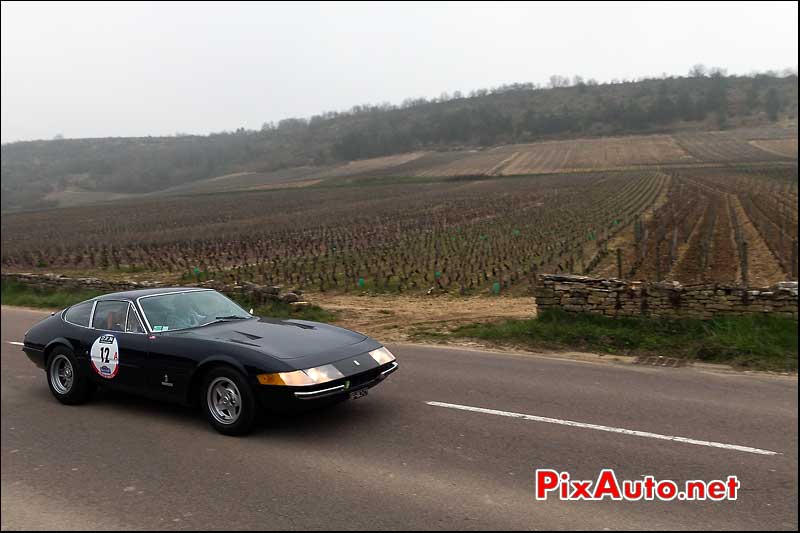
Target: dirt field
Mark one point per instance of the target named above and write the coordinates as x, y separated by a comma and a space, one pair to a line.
723, 147
782, 147
473, 164
612, 152
396, 318
367, 165
764, 268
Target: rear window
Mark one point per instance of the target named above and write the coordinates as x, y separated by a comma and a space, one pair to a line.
79, 314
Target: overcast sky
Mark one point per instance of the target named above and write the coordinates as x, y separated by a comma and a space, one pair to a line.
96, 69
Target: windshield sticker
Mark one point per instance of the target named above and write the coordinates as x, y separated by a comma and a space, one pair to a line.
160, 328
105, 356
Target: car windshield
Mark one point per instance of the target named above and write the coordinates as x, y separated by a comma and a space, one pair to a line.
181, 310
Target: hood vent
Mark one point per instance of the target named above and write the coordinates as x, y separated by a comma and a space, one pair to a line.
248, 335
237, 341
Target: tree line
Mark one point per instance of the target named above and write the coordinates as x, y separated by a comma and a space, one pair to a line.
519, 112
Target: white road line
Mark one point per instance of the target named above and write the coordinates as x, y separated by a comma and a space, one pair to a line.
610, 429
15, 343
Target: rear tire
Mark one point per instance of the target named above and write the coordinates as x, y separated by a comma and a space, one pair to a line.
228, 401
66, 381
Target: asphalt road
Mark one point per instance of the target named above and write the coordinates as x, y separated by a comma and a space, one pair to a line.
393, 461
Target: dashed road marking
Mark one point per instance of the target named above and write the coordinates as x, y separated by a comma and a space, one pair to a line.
610, 429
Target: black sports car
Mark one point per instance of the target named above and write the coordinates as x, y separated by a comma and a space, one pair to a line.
192, 345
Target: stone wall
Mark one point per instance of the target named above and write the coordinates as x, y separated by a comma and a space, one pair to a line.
577, 294
258, 294
613, 297
57, 282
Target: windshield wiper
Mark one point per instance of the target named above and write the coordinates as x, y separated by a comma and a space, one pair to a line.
232, 317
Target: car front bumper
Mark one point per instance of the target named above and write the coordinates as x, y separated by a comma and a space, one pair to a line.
346, 387
282, 398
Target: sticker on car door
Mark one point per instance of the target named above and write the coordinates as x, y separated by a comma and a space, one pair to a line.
105, 356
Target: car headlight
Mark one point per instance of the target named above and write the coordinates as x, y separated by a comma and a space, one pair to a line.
382, 355
324, 374
310, 376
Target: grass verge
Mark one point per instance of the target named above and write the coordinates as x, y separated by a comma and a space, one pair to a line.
760, 342
21, 294
284, 310
16, 293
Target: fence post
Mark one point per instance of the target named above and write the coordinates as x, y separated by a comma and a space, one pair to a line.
619, 263
745, 266
658, 261
794, 259
673, 250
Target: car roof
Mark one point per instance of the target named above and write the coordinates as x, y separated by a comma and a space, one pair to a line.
138, 293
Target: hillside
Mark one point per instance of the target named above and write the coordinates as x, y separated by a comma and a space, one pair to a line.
743, 146
514, 129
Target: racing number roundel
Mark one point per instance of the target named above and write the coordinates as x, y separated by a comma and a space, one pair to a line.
105, 356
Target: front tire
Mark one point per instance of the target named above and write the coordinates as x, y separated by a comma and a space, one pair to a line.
67, 383
228, 401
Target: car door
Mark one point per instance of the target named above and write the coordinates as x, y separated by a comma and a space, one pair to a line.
169, 365
117, 346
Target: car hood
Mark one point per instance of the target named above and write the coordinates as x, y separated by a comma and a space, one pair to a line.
286, 339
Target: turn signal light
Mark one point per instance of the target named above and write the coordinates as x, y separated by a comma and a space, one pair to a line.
295, 378
310, 376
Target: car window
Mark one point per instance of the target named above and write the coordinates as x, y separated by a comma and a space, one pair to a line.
110, 316
133, 325
79, 314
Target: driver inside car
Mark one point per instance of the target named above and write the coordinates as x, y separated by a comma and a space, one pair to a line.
186, 316
114, 321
